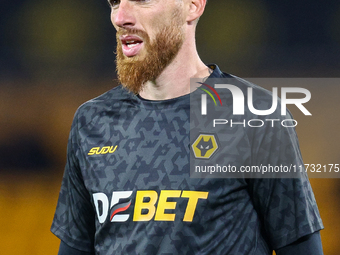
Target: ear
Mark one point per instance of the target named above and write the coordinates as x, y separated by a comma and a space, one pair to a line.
196, 9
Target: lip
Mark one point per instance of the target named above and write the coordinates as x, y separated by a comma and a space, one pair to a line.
131, 45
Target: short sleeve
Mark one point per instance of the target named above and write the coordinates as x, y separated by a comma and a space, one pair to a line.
286, 206
74, 218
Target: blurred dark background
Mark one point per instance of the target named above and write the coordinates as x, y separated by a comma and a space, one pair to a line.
55, 55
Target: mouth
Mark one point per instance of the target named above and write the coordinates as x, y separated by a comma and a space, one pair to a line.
131, 45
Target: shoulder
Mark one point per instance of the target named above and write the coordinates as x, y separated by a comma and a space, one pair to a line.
115, 95
253, 90
247, 98
239, 87
111, 101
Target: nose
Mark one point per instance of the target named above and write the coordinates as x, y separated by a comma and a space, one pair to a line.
122, 16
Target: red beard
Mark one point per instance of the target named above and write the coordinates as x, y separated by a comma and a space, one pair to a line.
135, 71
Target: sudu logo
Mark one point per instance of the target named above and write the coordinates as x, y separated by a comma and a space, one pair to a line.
102, 150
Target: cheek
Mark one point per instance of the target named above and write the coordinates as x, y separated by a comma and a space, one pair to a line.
112, 17
158, 24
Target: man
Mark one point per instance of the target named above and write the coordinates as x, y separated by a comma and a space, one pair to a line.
127, 186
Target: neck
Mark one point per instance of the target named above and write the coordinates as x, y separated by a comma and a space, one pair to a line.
174, 81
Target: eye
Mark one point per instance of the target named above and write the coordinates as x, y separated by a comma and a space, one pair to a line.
142, 1
113, 3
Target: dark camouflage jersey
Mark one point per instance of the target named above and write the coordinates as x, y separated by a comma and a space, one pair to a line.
127, 187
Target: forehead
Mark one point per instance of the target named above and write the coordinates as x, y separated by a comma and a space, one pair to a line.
145, 2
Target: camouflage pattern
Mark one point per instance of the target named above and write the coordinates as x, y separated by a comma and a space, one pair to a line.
238, 215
